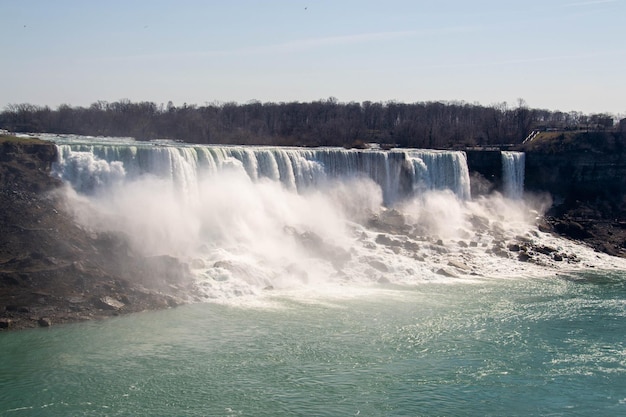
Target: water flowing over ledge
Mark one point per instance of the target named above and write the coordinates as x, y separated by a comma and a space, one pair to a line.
400, 174
249, 219
513, 166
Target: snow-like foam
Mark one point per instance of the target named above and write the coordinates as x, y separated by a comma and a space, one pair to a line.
249, 231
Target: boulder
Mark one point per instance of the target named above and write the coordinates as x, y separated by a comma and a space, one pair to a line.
392, 218
447, 273
382, 239
44, 322
108, 303
459, 265
383, 280
378, 265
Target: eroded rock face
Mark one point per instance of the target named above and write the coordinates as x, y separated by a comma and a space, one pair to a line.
584, 172
53, 271
585, 166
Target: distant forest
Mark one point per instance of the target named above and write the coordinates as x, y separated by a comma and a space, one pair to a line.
434, 125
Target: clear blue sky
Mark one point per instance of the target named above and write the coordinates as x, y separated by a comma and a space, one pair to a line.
555, 54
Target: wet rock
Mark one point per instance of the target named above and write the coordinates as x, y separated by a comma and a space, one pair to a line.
5, 323
392, 218
164, 269
382, 239
545, 250
439, 249
523, 257
411, 246
369, 245
500, 252
173, 301
391, 221
514, 247
338, 256
608, 248
378, 265
480, 223
447, 273
17, 308
544, 227
108, 303
76, 299
44, 322
459, 265
498, 230
571, 229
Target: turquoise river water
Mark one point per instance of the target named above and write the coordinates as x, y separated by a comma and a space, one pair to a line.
534, 346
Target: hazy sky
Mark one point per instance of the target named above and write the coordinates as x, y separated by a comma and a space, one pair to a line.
555, 54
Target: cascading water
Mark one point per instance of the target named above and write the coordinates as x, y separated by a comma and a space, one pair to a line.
250, 218
339, 283
513, 164
400, 174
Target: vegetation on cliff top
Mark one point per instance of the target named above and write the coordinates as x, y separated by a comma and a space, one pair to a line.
320, 123
19, 140
610, 142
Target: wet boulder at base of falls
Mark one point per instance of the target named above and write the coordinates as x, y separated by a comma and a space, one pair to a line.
389, 221
51, 269
447, 272
318, 247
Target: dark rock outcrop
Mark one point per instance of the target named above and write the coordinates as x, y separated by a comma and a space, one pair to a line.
585, 172
51, 270
581, 167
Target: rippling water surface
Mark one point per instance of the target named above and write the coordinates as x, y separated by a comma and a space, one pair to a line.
539, 346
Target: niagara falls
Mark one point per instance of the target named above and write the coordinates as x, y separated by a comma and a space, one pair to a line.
313, 208
371, 278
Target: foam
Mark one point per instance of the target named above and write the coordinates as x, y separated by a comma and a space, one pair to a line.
264, 223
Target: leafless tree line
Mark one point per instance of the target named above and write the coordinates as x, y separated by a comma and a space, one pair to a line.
319, 123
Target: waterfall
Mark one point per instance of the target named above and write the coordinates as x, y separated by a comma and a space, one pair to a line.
250, 219
399, 173
513, 165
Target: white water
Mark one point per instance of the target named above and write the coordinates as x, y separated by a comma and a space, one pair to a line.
513, 165
309, 221
399, 174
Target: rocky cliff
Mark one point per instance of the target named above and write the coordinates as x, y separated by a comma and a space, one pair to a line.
583, 167
52, 270
585, 172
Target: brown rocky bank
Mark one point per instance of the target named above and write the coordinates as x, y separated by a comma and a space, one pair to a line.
585, 173
53, 271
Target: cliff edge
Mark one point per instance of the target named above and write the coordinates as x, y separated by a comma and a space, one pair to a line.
585, 172
53, 271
